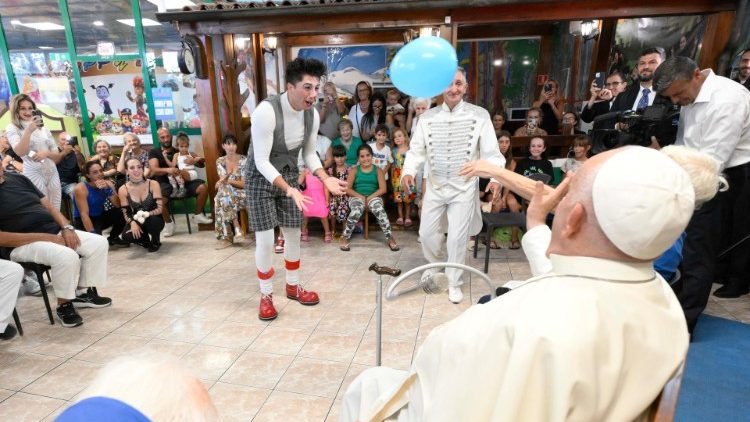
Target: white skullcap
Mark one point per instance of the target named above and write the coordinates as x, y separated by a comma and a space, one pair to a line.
643, 201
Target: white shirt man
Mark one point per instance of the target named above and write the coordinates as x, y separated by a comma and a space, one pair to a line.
446, 138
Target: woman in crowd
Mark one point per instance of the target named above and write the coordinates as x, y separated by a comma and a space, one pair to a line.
417, 106
570, 124
347, 140
330, 111
141, 194
132, 149
96, 204
103, 155
230, 193
11, 162
552, 107
362, 94
498, 121
506, 200
32, 141
375, 116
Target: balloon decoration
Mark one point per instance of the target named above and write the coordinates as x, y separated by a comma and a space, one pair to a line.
424, 67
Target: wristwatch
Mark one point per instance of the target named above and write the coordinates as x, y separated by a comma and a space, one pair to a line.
69, 227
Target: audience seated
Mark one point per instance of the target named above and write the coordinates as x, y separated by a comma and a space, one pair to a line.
348, 141
498, 121
143, 388
531, 126
580, 149
33, 141
39, 233
132, 149
96, 205
602, 303
366, 186
160, 170
141, 203
507, 201
230, 193
570, 124
11, 275
602, 98
103, 155
375, 116
8, 158
69, 164
330, 110
417, 106
360, 108
551, 106
395, 113
535, 163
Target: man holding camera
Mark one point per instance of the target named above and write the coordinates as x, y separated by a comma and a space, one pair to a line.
70, 163
715, 119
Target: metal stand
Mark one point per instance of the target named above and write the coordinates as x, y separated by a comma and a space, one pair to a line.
380, 271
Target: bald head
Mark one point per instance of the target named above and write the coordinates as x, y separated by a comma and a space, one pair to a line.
165, 137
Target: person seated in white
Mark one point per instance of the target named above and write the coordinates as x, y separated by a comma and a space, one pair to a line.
11, 275
594, 340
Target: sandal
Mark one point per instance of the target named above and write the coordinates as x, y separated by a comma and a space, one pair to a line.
328, 237
393, 246
400, 221
494, 245
407, 222
304, 236
515, 245
345, 247
279, 248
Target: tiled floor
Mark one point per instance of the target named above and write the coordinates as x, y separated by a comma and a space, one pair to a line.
200, 305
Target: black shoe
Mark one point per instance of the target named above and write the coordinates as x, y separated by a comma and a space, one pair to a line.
9, 333
116, 241
730, 291
154, 246
68, 315
91, 299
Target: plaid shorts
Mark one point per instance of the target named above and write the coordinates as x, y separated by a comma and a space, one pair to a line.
267, 205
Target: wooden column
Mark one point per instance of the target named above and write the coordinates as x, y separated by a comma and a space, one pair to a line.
718, 31
575, 65
208, 92
603, 46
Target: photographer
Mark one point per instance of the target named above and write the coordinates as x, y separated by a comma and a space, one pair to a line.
602, 98
715, 119
70, 163
551, 106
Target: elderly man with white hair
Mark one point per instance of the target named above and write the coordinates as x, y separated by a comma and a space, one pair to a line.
594, 339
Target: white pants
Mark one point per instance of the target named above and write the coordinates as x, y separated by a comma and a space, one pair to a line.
460, 211
68, 269
11, 275
45, 177
371, 387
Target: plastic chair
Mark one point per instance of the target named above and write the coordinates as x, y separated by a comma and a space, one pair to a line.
491, 222
184, 207
39, 270
18, 322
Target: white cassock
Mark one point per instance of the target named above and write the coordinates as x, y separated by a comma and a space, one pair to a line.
445, 140
595, 340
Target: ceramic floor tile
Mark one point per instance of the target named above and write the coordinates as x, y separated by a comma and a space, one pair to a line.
237, 402
4, 394
26, 369
256, 369
22, 407
175, 349
313, 377
344, 322
111, 347
65, 381
281, 340
209, 362
282, 406
188, 330
234, 335
331, 346
147, 324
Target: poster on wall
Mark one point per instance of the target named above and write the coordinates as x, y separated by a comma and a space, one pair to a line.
163, 104
347, 65
677, 35
116, 99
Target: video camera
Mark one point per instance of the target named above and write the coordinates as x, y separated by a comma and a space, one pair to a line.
635, 127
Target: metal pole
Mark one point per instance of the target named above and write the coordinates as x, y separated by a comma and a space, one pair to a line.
378, 319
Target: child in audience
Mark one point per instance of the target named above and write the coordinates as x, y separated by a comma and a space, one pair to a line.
535, 163
366, 186
185, 161
381, 153
401, 198
338, 206
581, 148
506, 200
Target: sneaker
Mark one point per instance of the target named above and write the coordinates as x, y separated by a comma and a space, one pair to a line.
168, 229
68, 315
116, 242
31, 285
154, 246
238, 236
9, 333
91, 299
455, 294
201, 219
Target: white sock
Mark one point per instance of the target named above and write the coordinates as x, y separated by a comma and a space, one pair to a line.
264, 259
291, 254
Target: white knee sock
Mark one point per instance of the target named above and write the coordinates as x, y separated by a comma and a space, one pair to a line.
263, 260
291, 254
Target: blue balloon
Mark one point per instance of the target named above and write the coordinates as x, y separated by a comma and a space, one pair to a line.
425, 67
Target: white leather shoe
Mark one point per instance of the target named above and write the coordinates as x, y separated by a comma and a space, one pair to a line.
201, 219
455, 294
168, 229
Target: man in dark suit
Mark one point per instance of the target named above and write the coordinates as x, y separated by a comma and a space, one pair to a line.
641, 95
744, 76
602, 98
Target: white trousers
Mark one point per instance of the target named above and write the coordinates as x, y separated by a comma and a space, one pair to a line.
371, 387
11, 275
455, 212
45, 177
68, 269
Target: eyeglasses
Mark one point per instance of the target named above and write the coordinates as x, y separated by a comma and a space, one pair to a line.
609, 84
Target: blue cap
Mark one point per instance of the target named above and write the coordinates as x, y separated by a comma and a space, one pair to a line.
100, 409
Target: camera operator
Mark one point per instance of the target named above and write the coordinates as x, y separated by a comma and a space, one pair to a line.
715, 119
743, 77
641, 95
602, 98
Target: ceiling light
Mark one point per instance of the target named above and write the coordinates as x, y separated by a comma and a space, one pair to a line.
497, 62
588, 28
40, 26
241, 42
271, 43
526, 62
164, 5
144, 22
44, 47
98, 23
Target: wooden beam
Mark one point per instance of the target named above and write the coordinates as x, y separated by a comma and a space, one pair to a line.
544, 66
505, 30
603, 45
585, 9
572, 83
375, 37
718, 31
